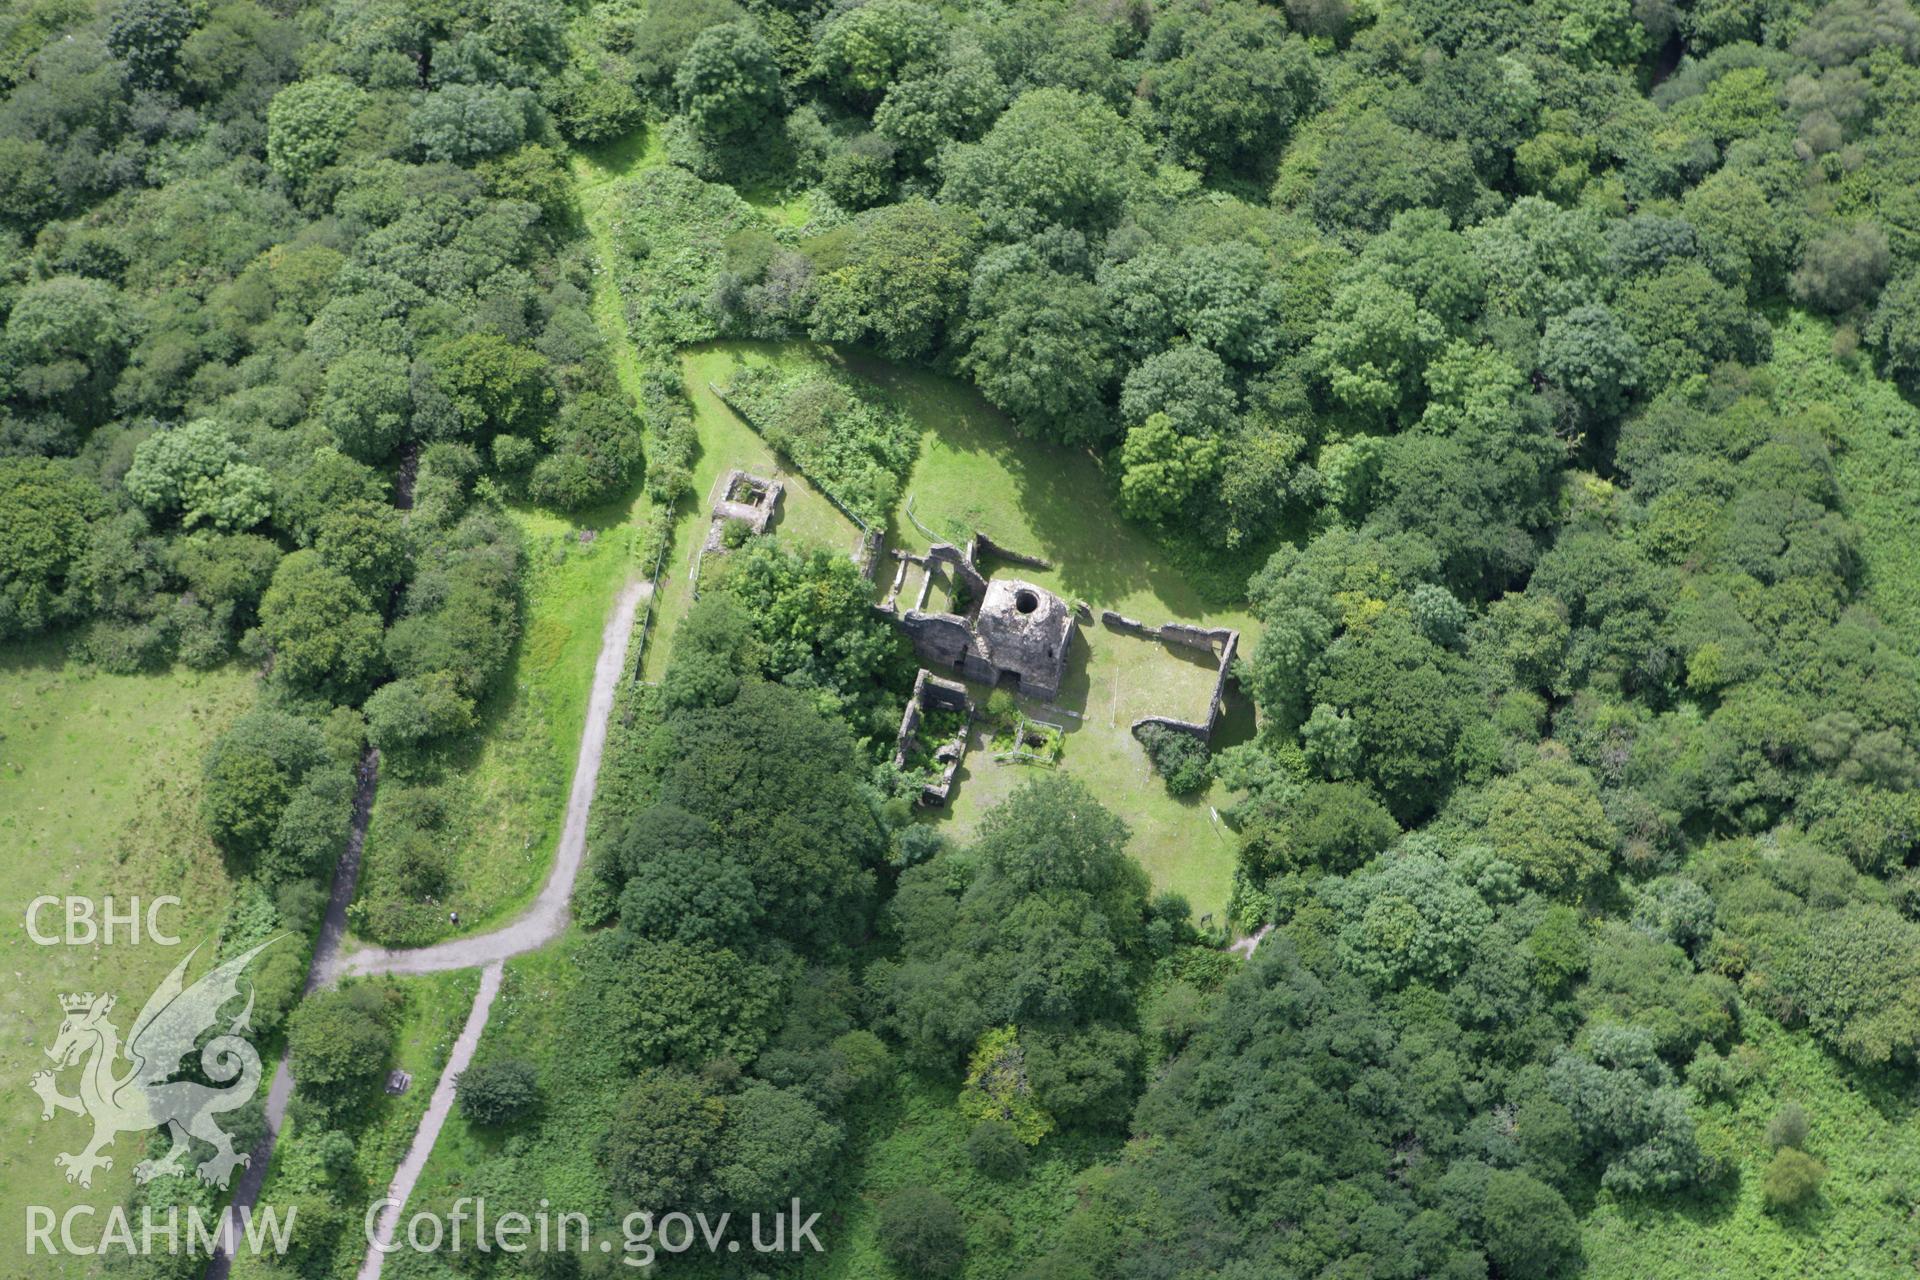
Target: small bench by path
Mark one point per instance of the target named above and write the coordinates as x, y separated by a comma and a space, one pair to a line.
430, 1124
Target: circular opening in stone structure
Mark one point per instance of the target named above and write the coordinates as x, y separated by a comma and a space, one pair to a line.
1025, 601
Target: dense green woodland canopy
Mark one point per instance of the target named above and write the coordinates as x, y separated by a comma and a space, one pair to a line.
1526, 354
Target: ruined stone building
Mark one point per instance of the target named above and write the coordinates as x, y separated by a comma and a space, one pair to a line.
931, 693
1013, 633
1024, 630
750, 499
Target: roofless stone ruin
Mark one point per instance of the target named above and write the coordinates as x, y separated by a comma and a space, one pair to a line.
1013, 633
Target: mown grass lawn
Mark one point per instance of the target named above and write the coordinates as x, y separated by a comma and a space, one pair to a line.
976, 474
99, 794
508, 783
1114, 678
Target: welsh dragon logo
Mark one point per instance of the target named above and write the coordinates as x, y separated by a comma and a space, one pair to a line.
147, 1096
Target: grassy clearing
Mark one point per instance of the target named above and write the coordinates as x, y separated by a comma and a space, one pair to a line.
595, 166
99, 795
510, 779
1863, 1129
849, 441
507, 783
974, 473
436, 1008
727, 442
594, 170
1112, 680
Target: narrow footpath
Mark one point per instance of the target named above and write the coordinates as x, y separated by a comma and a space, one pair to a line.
429, 1132
540, 924
547, 917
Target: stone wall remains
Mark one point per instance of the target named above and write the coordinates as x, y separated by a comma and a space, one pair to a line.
1219, 641
931, 693
982, 545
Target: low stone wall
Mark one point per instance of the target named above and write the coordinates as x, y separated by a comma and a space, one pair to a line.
983, 545
1220, 681
1212, 639
1222, 642
1192, 728
866, 556
901, 561
909, 725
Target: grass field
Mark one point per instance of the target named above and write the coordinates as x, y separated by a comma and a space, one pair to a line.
99, 795
508, 782
593, 170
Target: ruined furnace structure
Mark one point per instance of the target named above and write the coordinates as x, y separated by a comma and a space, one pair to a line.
1013, 632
